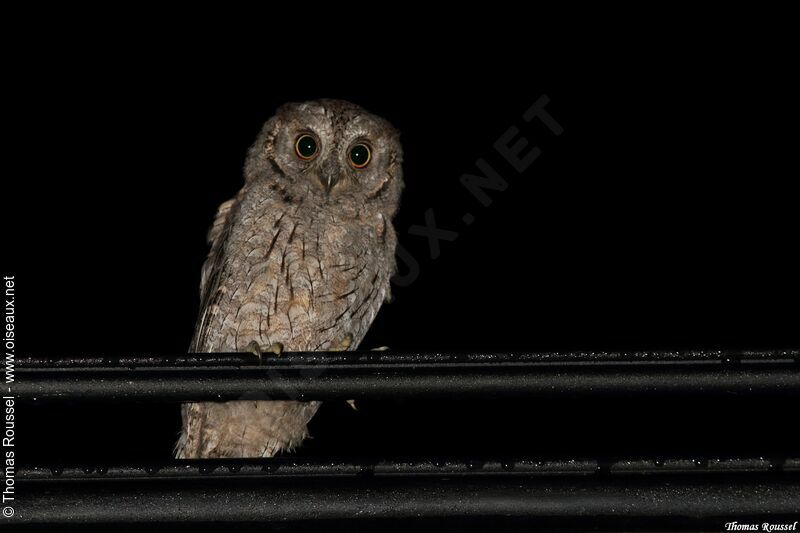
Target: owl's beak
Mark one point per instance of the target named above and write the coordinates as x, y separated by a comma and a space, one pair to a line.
328, 182
329, 174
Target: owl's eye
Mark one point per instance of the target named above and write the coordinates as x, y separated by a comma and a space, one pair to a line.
306, 147
360, 155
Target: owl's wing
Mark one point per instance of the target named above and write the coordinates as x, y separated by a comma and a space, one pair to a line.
209, 279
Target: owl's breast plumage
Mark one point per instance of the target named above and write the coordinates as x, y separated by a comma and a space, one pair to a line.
294, 273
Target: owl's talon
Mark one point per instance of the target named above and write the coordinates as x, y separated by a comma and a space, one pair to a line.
344, 344
254, 348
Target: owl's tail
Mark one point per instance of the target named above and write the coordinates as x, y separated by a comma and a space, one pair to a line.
240, 429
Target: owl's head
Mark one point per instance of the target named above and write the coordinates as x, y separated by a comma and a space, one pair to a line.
332, 150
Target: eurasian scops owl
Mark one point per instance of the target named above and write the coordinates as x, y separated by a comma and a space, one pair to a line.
300, 260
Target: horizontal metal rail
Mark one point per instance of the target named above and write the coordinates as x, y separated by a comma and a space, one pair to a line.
354, 375
681, 490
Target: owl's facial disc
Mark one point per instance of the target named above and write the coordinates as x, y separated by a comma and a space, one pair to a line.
332, 149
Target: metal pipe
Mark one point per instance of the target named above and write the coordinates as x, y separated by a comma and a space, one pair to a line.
325, 376
275, 491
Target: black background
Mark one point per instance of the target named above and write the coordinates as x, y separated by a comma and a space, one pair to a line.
664, 216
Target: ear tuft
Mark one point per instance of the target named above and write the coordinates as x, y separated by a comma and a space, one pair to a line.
259, 155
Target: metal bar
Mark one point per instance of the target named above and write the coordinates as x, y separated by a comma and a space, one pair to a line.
324, 376
727, 356
285, 491
285, 466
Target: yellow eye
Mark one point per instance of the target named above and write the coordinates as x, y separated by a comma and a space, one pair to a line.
360, 155
306, 147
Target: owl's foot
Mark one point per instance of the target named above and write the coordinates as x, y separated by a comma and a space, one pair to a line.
352, 403
255, 349
343, 345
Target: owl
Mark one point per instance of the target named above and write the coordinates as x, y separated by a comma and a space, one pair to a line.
300, 260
